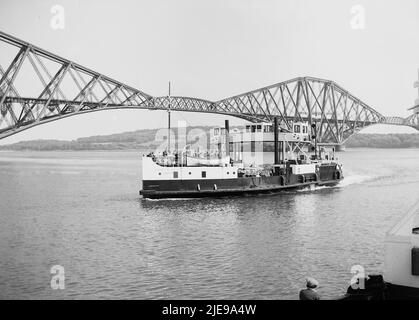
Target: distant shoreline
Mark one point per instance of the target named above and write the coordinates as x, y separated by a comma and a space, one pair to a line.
145, 141
150, 150
84, 150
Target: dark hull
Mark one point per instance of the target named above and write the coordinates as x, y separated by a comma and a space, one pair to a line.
383, 291
233, 187
397, 292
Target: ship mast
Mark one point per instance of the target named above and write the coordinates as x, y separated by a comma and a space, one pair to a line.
168, 121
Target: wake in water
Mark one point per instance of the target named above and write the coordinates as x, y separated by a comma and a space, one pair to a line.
347, 181
356, 179
313, 188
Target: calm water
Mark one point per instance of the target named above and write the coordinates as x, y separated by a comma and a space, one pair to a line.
81, 210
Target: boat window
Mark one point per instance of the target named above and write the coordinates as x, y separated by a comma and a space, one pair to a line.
175, 174
247, 128
190, 173
267, 129
259, 128
204, 174
159, 173
296, 129
216, 130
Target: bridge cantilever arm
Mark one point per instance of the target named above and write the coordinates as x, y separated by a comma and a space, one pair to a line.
51, 56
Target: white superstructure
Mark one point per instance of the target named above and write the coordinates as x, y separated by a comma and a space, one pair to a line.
254, 145
399, 242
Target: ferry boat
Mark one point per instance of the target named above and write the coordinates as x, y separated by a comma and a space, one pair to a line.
261, 158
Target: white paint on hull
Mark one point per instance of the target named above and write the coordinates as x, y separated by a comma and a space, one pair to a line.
153, 171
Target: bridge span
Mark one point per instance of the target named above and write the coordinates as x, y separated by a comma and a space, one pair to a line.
66, 88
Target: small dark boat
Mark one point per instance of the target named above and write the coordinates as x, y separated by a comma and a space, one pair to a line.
401, 265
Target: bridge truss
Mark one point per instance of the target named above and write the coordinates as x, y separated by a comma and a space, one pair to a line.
60, 88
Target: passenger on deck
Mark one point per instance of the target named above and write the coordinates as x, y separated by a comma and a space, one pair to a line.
310, 293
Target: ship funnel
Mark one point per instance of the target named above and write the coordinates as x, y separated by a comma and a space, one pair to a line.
276, 134
227, 137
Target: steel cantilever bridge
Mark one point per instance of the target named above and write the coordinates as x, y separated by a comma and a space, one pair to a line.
62, 88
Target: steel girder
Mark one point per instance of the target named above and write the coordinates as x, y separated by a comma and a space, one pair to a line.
198, 105
412, 121
409, 122
67, 88
336, 113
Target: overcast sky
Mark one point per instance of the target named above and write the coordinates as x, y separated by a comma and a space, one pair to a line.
214, 49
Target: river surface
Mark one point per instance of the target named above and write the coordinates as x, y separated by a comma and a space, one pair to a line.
81, 211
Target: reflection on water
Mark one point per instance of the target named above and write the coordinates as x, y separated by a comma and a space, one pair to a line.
81, 210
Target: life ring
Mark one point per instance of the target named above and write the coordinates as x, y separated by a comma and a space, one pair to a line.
336, 176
